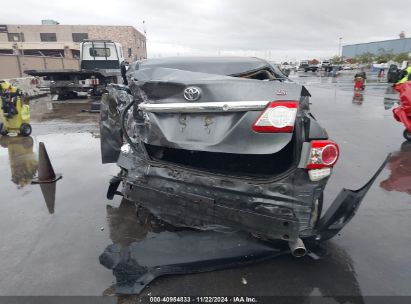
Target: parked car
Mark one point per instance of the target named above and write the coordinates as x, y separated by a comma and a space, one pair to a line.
326, 65
306, 66
284, 67
223, 143
347, 67
393, 74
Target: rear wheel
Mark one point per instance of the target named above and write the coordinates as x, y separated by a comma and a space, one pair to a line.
407, 135
25, 129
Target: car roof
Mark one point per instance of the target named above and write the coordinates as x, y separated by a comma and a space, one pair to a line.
212, 65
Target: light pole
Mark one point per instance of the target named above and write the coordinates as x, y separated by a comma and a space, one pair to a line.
145, 39
339, 47
21, 38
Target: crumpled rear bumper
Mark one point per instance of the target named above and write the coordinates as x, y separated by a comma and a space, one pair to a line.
286, 209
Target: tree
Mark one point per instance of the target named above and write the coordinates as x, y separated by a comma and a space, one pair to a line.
365, 58
401, 57
336, 60
384, 56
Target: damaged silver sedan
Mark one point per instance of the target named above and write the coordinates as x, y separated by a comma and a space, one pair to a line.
224, 144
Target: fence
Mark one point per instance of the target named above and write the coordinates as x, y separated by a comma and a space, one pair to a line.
13, 66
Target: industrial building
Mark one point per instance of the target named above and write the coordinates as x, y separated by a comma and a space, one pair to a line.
395, 46
53, 39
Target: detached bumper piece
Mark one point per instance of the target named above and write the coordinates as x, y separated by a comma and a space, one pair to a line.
344, 208
182, 252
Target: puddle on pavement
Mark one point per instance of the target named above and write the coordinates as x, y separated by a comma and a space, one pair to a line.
145, 248
19, 163
391, 98
358, 98
24, 166
22, 159
400, 170
45, 110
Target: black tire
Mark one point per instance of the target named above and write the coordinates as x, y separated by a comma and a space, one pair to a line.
72, 95
407, 135
2, 130
25, 129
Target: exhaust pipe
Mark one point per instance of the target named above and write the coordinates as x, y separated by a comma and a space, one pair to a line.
297, 248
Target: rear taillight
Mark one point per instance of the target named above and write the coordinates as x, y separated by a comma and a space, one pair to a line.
94, 81
323, 154
278, 117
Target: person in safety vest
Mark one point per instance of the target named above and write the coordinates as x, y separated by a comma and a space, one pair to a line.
8, 94
405, 75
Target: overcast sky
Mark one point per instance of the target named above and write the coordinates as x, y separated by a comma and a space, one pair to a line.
280, 30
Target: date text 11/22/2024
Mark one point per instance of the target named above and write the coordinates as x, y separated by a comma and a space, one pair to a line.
239, 299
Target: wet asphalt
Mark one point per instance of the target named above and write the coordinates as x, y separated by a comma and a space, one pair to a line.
50, 244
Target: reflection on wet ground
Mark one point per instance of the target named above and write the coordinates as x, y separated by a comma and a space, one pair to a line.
391, 98
24, 166
400, 167
54, 249
22, 159
358, 98
130, 223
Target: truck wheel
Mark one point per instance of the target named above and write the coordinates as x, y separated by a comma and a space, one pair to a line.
407, 135
72, 95
2, 130
25, 129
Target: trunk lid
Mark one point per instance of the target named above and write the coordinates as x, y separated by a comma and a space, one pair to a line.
217, 118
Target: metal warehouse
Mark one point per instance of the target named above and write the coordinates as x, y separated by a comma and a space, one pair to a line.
395, 46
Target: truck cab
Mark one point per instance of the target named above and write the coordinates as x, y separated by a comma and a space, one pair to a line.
326, 65
100, 54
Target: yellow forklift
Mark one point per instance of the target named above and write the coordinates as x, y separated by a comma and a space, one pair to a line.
14, 113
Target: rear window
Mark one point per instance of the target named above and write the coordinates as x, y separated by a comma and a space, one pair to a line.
99, 52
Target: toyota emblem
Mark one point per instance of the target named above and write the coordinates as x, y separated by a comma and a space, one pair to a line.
192, 93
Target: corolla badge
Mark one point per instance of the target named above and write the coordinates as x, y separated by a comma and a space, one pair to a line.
192, 93
281, 92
